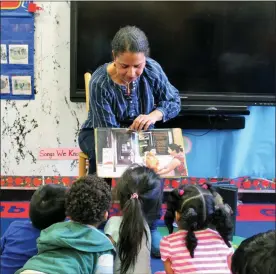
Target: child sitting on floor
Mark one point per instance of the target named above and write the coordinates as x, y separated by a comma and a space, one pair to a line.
18, 243
196, 248
77, 246
255, 255
137, 188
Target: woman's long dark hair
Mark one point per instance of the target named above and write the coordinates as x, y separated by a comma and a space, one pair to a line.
198, 211
175, 147
144, 182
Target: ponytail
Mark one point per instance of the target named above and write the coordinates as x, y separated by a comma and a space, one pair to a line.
223, 224
220, 218
173, 200
131, 230
199, 207
190, 217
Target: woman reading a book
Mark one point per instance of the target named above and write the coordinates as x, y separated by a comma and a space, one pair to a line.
177, 163
131, 91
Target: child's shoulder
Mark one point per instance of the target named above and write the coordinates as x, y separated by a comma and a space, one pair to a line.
174, 236
208, 233
21, 228
113, 223
115, 220
112, 227
26, 224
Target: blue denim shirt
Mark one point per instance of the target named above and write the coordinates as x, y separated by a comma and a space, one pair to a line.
110, 105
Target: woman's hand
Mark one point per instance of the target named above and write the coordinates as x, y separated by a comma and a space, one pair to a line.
143, 121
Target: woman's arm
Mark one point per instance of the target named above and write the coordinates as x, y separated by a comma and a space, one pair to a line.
100, 110
171, 166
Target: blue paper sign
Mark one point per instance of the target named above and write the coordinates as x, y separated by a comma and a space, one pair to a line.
17, 51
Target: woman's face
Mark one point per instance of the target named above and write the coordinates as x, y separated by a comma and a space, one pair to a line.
129, 65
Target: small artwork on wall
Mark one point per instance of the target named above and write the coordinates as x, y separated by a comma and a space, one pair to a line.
5, 84
18, 54
3, 53
21, 85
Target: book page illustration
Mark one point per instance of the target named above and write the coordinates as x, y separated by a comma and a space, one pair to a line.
159, 149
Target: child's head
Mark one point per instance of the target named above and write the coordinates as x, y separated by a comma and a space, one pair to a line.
47, 206
256, 255
137, 187
194, 208
88, 200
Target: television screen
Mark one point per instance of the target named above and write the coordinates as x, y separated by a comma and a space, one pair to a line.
204, 47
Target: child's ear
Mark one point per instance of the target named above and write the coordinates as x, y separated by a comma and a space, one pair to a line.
177, 216
106, 215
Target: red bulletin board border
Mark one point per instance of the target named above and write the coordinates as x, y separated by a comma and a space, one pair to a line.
31, 182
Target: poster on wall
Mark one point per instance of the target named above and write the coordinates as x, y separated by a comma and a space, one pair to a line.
17, 51
5, 84
4, 56
18, 54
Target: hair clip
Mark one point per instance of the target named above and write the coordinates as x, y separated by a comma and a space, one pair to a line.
180, 192
134, 196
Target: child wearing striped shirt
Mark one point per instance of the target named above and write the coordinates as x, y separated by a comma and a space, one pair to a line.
196, 248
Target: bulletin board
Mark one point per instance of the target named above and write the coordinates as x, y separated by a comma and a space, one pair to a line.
17, 51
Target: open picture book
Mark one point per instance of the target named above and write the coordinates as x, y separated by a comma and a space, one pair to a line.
159, 149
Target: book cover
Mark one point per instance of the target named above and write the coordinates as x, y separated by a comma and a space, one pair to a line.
159, 149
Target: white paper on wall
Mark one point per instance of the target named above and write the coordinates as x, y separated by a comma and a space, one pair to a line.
3, 53
21, 85
19, 54
5, 84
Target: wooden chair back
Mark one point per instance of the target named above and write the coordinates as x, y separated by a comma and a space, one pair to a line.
87, 78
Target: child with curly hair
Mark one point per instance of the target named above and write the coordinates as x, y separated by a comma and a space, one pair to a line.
77, 246
195, 247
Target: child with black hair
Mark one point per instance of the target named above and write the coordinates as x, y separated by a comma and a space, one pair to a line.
196, 248
18, 243
256, 255
77, 246
139, 191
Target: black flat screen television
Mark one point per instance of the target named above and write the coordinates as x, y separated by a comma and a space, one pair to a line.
213, 52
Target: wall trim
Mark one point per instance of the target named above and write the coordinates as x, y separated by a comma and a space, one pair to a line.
244, 184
